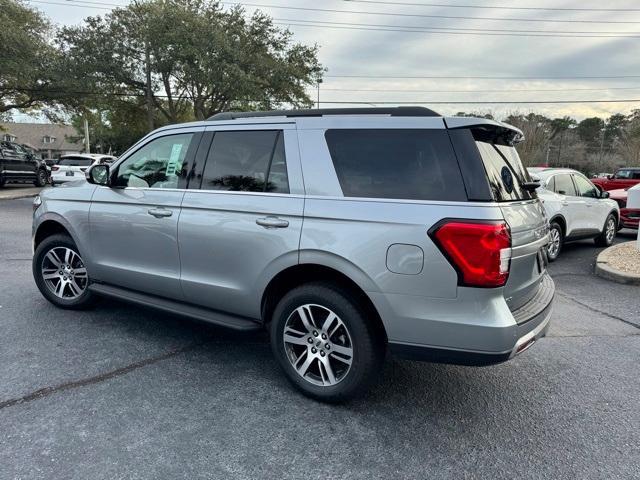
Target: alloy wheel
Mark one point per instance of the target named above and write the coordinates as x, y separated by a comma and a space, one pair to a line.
610, 232
554, 244
318, 345
64, 273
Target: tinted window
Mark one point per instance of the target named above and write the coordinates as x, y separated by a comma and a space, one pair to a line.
635, 175
564, 185
551, 184
405, 164
159, 164
248, 161
623, 174
585, 187
504, 171
75, 161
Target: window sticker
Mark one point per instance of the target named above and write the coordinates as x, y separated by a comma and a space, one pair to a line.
174, 159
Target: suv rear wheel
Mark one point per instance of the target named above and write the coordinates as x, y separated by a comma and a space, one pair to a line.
324, 343
61, 274
41, 178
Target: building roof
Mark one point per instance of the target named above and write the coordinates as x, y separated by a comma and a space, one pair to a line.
33, 134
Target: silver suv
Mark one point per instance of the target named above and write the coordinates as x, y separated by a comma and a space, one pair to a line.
343, 232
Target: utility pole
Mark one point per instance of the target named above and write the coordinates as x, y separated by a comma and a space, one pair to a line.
601, 146
318, 104
87, 145
147, 67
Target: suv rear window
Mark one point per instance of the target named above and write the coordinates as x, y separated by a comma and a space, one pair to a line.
75, 161
412, 164
504, 169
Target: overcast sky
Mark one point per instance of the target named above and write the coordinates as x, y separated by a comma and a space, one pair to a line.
371, 53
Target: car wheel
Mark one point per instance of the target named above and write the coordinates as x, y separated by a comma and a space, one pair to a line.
605, 239
556, 239
41, 178
61, 274
324, 344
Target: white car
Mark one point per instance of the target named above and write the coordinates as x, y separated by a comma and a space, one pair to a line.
72, 167
576, 208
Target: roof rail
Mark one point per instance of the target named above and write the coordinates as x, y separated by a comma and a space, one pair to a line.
391, 111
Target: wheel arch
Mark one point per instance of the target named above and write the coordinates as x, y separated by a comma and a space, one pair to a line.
52, 225
560, 220
301, 273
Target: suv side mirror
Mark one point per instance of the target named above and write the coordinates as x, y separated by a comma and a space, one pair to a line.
610, 177
99, 175
604, 194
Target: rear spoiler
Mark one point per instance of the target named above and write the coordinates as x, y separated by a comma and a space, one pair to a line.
497, 132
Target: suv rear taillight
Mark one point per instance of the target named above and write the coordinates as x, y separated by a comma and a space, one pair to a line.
55, 168
479, 251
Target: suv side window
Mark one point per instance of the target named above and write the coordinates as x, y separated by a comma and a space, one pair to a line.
413, 164
564, 185
159, 164
623, 174
247, 161
585, 187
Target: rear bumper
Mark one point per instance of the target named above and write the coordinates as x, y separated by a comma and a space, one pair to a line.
58, 179
490, 334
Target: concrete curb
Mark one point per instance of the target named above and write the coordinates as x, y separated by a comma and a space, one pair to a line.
18, 196
604, 270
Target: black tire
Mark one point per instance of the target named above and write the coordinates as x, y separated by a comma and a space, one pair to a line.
41, 178
556, 242
606, 238
366, 342
60, 241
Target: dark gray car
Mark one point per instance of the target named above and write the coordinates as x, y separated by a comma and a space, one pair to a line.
344, 232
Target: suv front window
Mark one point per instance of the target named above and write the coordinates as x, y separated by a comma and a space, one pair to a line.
159, 164
585, 187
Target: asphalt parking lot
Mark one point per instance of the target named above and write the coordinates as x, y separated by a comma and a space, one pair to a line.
123, 392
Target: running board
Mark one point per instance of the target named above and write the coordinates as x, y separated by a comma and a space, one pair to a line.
171, 306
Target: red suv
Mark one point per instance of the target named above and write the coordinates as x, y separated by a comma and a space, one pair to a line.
629, 217
623, 178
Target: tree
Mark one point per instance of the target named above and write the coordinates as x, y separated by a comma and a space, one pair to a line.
27, 58
189, 55
536, 134
629, 145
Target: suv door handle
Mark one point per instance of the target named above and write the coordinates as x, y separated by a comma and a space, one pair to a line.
160, 212
272, 222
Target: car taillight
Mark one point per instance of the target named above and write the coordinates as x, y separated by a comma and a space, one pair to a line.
479, 251
55, 168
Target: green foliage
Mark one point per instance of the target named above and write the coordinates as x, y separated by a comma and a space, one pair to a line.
27, 58
191, 57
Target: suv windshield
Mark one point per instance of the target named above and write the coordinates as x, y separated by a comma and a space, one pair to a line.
504, 169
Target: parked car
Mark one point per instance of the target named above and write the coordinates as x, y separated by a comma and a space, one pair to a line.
343, 232
72, 167
623, 178
576, 209
600, 175
629, 217
17, 165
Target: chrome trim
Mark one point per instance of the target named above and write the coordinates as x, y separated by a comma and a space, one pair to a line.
534, 334
528, 249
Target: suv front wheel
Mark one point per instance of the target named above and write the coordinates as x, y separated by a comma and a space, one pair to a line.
324, 343
61, 274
